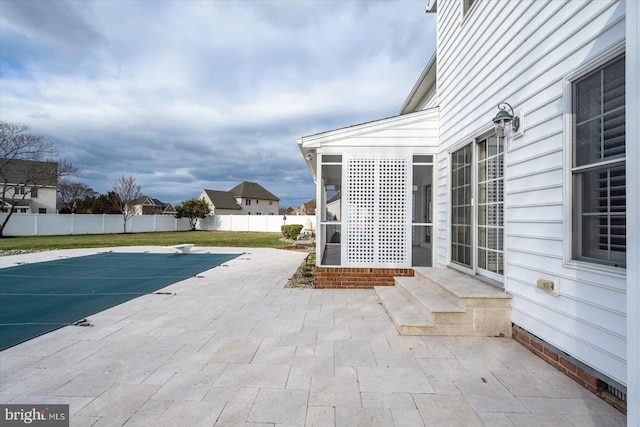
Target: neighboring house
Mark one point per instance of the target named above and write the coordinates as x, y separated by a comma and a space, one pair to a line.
539, 212
255, 199
146, 205
333, 206
221, 202
28, 186
307, 208
246, 198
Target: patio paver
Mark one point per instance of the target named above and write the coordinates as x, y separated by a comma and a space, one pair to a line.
233, 346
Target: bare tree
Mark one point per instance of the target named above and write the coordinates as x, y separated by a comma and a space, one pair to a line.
27, 162
74, 197
125, 192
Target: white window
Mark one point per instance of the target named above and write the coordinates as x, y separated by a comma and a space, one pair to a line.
598, 169
19, 190
247, 202
34, 193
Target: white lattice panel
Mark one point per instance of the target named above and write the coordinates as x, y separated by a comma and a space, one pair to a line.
392, 223
377, 209
360, 242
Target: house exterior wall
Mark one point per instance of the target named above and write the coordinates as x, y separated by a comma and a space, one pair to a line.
217, 211
46, 200
548, 43
203, 196
258, 207
148, 207
334, 207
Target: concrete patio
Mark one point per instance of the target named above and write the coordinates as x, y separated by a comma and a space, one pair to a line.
232, 346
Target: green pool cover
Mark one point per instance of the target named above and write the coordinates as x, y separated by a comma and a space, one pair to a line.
41, 297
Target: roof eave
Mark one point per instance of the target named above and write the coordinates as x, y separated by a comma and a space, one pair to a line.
309, 153
425, 82
432, 6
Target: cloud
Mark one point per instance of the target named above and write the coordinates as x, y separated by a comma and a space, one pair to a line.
188, 95
48, 36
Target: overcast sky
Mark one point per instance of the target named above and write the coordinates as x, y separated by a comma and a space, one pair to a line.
188, 95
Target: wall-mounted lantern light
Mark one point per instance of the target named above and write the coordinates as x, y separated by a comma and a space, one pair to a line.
506, 123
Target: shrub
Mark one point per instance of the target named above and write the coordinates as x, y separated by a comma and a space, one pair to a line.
291, 231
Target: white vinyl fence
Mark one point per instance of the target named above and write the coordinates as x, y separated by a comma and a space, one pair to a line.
48, 225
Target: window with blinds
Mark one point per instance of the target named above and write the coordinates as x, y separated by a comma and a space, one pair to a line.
599, 180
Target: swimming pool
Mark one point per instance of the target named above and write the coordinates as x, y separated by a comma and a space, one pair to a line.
41, 297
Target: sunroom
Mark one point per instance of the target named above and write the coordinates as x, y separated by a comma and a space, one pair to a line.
374, 192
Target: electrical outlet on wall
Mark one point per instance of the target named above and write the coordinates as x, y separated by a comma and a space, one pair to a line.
551, 286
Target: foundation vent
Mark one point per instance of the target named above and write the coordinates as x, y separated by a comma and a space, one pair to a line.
619, 394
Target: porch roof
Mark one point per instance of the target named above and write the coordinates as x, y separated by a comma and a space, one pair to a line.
7, 203
387, 131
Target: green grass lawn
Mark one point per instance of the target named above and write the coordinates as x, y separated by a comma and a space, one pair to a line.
199, 238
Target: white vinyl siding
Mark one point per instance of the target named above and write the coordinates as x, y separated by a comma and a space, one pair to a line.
477, 71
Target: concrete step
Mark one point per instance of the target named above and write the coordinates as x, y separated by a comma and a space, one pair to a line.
404, 315
445, 319
424, 299
462, 289
441, 301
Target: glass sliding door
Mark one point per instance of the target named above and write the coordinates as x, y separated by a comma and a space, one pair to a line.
461, 207
490, 252
477, 208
